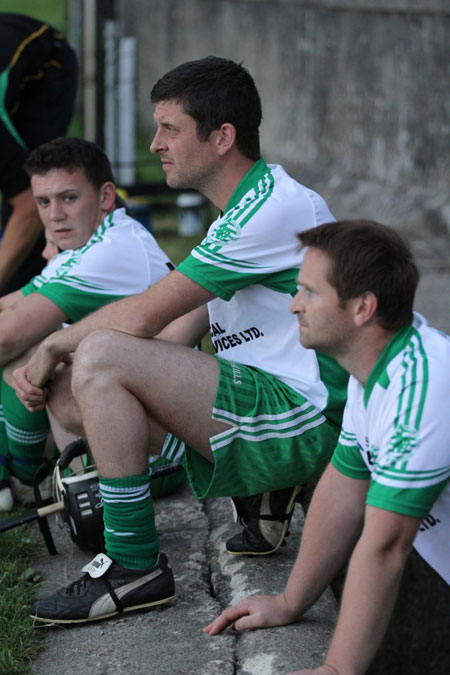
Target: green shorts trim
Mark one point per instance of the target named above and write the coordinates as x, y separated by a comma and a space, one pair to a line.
277, 437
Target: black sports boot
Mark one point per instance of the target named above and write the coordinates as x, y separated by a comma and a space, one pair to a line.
265, 519
107, 589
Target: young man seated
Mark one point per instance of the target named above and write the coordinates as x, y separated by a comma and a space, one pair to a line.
103, 255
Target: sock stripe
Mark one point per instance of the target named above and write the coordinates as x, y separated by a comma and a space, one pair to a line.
116, 495
25, 437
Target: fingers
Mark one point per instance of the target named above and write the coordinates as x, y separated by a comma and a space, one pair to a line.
253, 612
227, 618
33, 398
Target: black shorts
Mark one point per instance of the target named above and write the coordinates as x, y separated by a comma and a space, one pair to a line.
416, 641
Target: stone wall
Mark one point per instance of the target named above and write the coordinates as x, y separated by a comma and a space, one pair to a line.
349, 88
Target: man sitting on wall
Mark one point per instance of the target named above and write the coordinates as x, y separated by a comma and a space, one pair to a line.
387, 487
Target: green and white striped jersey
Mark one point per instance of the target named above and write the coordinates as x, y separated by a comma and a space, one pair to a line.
396, 430
121, 258
250, 261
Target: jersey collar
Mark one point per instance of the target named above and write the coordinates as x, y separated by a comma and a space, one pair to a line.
250, 179
379, 372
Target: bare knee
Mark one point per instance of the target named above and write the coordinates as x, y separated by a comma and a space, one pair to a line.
94, 360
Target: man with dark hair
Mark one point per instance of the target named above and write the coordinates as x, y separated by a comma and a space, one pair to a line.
263, 414
385, 265
103, 255
70, 154
387, 487
209, 100
38, 74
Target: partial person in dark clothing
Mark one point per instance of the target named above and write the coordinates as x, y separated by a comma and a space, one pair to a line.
38, 82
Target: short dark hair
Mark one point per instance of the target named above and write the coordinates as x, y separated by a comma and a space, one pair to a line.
214, 91
369, 256
71, 154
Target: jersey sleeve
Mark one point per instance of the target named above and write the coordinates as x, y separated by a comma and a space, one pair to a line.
244, 247
412, 464
347, 456
28, 288
104, 270
75, 302
71, 298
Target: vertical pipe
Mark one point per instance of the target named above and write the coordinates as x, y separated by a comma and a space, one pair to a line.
111, 66
90, 69
127, 72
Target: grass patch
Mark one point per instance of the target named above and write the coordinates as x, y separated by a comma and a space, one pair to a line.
19, 642
51, 11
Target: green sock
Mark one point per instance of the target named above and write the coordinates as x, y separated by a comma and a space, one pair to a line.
26, 434
130, 533
4, 473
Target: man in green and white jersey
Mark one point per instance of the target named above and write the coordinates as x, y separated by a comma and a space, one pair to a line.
387, 488
264, 413
407, 455
104, 255
248, 261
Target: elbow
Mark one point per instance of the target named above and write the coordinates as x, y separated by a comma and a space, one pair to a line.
141, 327
389, 533
394, 549
396, 552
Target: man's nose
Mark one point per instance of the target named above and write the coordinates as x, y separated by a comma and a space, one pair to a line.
56, 211
296, 305
157, 143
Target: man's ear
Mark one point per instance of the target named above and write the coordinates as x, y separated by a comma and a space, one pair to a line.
107, 196
364, 308
226, 138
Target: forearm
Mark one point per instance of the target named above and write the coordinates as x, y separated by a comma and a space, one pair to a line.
188, 329
25, 323
368, 600
332, 527
144, 315
118, 315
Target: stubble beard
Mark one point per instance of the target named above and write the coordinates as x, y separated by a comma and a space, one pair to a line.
195, 180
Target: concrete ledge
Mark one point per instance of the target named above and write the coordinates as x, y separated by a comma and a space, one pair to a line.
170, 641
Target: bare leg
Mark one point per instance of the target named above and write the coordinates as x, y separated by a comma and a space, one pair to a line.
65, 416
61, 436
64, 413
124, 385
20, 361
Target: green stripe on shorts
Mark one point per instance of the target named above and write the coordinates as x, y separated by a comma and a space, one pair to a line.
277, 438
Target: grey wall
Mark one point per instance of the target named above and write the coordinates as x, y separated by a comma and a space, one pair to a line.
355, 93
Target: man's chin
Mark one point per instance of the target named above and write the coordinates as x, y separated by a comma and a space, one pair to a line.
172, 181
306, 342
